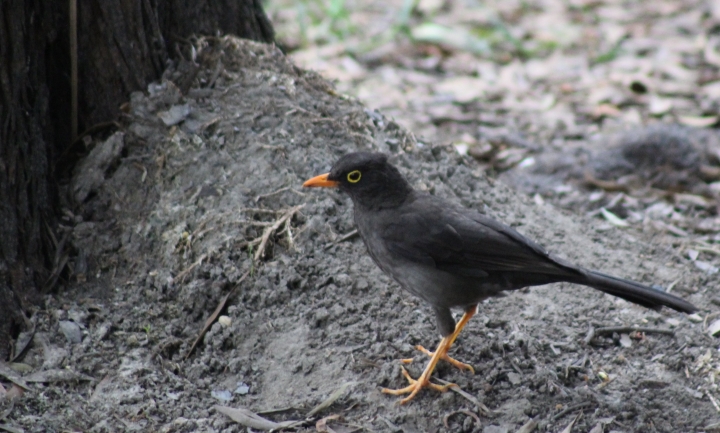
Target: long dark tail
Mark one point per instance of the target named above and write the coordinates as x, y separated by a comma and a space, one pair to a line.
636, 292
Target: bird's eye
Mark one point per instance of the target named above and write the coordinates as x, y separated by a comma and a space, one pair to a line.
354, 176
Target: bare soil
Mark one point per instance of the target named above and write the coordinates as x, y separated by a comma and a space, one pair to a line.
165, 221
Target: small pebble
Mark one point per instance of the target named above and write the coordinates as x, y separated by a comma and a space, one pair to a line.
132, 340
222, 394
695, 318
225, 321
242, 388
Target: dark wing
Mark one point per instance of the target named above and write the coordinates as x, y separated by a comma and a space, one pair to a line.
463, 242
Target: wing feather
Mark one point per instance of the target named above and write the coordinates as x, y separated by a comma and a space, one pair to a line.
463, 242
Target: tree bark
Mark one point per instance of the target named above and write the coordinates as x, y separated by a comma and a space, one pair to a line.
27, 193
125, 44
122, 46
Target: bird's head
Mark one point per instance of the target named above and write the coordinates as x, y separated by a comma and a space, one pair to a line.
369, 179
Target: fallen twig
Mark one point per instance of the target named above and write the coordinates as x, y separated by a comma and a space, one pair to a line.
569, 427
183, 274
260, 253
627, 330
259, 210
590, 335
713, 401
606, 185
672, 285
343, 238
210, 320
572, 408
287, 188
484, 409
463, 411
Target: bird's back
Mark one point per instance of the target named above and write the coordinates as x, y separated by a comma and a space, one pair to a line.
451, 256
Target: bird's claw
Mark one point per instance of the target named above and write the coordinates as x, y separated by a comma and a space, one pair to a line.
415, 386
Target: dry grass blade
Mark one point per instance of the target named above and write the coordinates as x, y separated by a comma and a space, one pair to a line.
252, 420
183, 274
213, 317
332, 399
713, 401
568, 429
343, 238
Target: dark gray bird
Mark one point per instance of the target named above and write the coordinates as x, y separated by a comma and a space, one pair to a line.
453, 257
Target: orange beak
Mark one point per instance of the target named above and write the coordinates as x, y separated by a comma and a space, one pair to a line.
321, 181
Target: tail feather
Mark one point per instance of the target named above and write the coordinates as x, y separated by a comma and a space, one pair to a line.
636, 292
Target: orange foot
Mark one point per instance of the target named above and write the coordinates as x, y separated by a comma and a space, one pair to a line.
440, 353
416, 385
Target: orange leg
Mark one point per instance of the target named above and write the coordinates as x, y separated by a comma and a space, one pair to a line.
440, 353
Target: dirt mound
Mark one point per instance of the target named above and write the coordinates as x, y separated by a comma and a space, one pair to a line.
171, 211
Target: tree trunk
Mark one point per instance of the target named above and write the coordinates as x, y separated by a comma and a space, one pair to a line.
122, 45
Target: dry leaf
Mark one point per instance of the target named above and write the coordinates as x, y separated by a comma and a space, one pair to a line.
252, 420
613, 219
451, 37
698, 121
714, 328
12, 376
659, 106
528, 426
462, 89
14, 392
625, 340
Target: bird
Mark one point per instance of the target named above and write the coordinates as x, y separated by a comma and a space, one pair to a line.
453, 257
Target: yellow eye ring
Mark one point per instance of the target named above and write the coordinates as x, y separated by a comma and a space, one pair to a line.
354, 176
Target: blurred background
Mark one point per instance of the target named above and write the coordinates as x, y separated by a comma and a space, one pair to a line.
444, 68
603, 107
